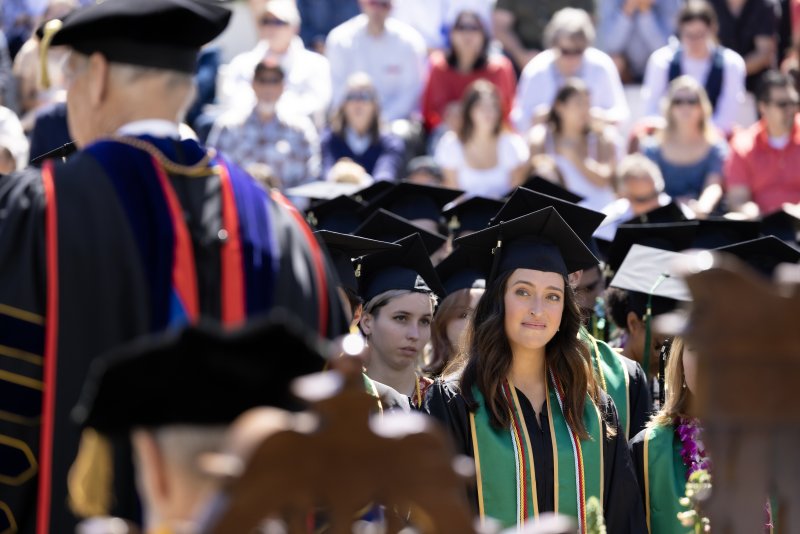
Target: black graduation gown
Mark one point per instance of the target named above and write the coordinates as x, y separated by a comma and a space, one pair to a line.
622, 507
641, 400
636, 445
106, 297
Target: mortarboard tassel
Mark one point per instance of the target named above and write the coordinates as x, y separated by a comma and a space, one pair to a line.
89, 480
50, 30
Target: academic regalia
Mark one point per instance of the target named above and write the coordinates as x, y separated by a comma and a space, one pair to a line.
542, 241
415, 201
111, 245
386, 226
470, 215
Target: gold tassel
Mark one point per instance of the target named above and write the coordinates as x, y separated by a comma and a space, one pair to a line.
89, 480
51, 28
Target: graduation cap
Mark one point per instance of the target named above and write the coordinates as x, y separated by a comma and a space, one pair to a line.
385, 226
344, 248
764, 254
667, 236
782, 224
719, 232
415, 201
653, 288
542, 185
463, 269
583, 221
369, 193
408, 267
541, 240
668, 213
339, 214
471, 214
222, 374
164, 34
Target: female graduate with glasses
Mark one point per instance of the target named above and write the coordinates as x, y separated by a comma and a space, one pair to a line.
523, 401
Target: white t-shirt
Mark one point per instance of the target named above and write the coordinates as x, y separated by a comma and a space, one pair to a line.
495, 182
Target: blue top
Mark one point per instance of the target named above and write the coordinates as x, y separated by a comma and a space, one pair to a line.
686, 180
382, 160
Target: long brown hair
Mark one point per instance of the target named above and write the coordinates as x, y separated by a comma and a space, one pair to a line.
489, 358
449, 309
338, 122
571, 87
473, 93
676, 401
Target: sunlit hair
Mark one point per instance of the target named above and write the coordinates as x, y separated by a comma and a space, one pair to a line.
569, 22
677, 396
453, 306
488, 358
637, 165
472, 95
338, 122
687, 83
483, 57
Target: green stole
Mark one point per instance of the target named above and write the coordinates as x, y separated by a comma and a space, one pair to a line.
613, 376
506, 475
664, 479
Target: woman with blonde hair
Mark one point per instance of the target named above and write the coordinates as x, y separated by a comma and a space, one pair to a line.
688, 150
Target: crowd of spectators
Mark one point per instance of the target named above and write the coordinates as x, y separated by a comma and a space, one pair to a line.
491, 92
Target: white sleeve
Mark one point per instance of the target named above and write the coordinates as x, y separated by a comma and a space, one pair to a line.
512, 150
448, 153
732, 95
336, 53
606, 88
535, 91
406, 101
654, 85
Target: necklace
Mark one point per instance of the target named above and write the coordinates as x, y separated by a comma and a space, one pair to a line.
201, 168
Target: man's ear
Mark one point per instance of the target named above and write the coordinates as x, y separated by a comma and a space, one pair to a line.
574, 279
634, 323
151, 466
99, 79
358, 313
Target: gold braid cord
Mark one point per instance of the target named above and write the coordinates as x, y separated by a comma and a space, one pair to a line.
199, 169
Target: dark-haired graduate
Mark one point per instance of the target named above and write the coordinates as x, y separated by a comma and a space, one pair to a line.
524, 402
136, 233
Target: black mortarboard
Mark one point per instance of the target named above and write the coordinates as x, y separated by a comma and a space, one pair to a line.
471, 214
668, 213
583, 221
415, 201
164, 34
200, 375
385, 226
542, 185
463, 268
541, 240
344, 248
782, 224
668, 236
764, 254
340, 214
720, 232
407, 268
369, 193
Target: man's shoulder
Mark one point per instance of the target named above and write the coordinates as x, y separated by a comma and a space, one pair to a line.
745, 140
731, 59
662, 57
405, 33
344, 33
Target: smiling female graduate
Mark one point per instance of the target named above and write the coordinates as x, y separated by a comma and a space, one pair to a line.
525, 404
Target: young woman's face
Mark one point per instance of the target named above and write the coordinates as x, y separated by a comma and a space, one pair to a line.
466, 36
534, 304
575, 110
359, 108
485, 111
456, 327
690, 368
400, 330
685, 107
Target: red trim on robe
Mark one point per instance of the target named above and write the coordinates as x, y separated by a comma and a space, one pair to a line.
233, 295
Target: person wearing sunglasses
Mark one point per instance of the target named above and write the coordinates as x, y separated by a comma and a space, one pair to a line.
570, 54
355, 133
688, 150
467, 60
762, 171
307, 88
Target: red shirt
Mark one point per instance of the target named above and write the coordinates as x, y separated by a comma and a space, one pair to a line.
446, 84
772, 175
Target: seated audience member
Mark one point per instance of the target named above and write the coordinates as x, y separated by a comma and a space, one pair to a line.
423, 170
583, 153
319, 17
750, 28
13, 143
640, 188
467, 60
8, 85
391, 52
520, 26
570, 54
689, 151
482, 157
307, 88
355, 133
720, 70
762, 170
289, 145
630, 30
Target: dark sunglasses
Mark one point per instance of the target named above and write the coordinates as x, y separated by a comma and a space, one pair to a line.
386, 4
688, 101
571, 52
270, 21
360, 96
467, 28
646, 198
784, 104
268, 81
